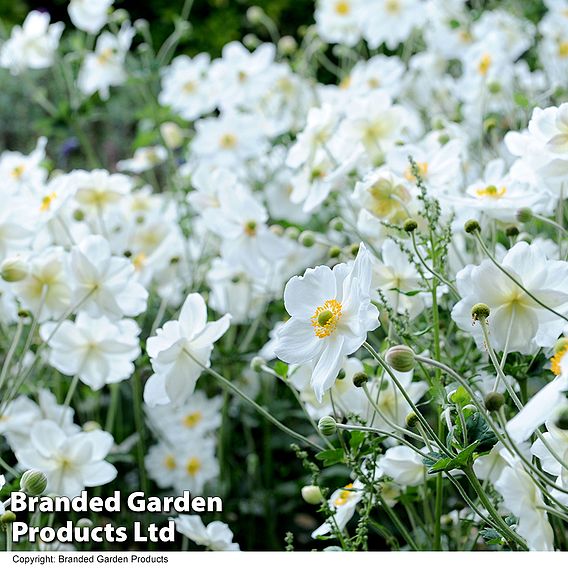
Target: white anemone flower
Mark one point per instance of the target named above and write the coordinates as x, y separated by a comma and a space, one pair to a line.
331, 314
70, 461
180, 350
516, 321
215, 536
98, 350
404, 465
89, 15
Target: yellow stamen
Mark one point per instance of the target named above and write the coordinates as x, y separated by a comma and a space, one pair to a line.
139, 260
193, 466
344, 495
392, 6
342, 8
228, 141
193, 419
170, 462
250, 228
491, 191
18, 171
563, 49
422, 170
326, 317
555, 361
484, 64
47, 201
190, 87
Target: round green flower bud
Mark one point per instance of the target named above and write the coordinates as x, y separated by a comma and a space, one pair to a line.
524, 215
562, 420
336, 224
251, 41
512, 231
312, 494
410, 225
78, 215
401, 358
255, 14
33, 482
471, 226
13, 269
334, 251
287, 45
23, 313
354, 249
494, 401
340, 375
7, 518
307, 239
327, 425
91, 426
257, 363
84, 522
411, 420
494, 87
278, 230
292, 233
480, 311
359, 379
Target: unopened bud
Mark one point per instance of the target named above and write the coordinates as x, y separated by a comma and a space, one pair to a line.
172, 135
411, 420
13, 269
360, 379
327, 425
512, 231
255, 14
524, 215
84, 522
401, 358
307, 239
312, 494
340, 375
471, 226
480, 311
33, 482
354, 249
336, 224
494, 401
287, 45
257, 363
334, 251
292, 233
410, 225
7, 518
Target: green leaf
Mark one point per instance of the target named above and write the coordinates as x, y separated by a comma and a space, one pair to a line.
464, 458
409, 294
331, 457
357, 438
479, 431
460, 397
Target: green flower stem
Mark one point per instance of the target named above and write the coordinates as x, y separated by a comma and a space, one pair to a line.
11, 351
70, 392
552, 223
261, 410
513, 279
503, 526
431, 270
427, 427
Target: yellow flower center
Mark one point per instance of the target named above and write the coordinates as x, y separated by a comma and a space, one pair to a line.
392, 6
491, 191
555, 361
342, 8
105, 55
484, 64
563, 49
138, 261
345, 82
228, 141
374, 83
18, 171
422, 170
193, 419
47, 201
250, 228
325, 318
170, 462
193, 466
344, 496
190, 87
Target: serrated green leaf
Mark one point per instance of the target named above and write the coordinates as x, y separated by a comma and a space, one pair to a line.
331, 457
459, 462
281, 369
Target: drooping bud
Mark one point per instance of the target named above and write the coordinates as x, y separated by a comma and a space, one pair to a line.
255, 14
471, 226
327, 426
480, 311
360, 379
13, 269
494, 401
312, 494
257, 363
411, 420
410, 225
512, 231
524, 215
401, 358
7, 518
33, 482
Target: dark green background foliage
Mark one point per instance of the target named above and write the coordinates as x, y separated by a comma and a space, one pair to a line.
215, 22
